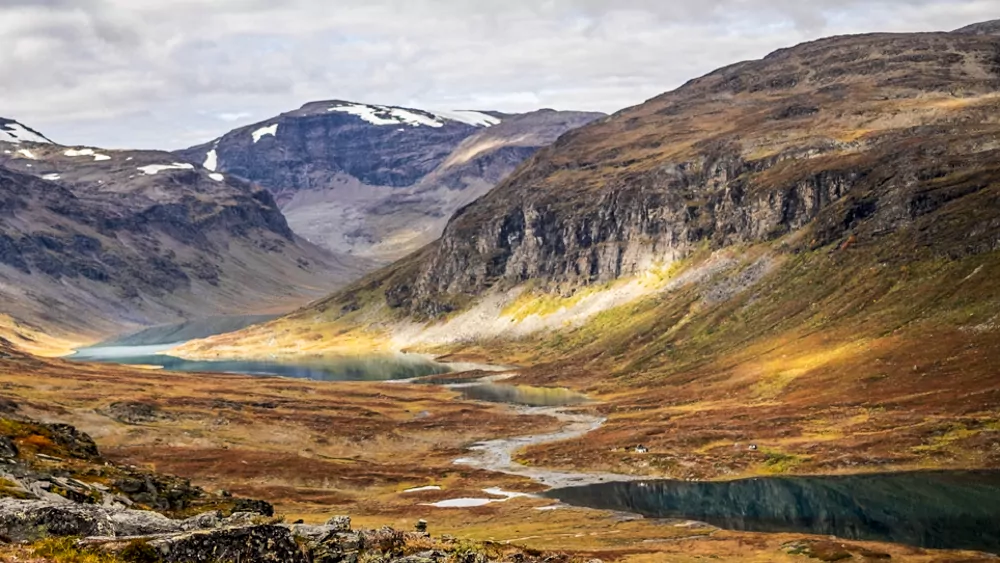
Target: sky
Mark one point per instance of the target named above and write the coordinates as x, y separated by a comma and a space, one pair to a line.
170, 74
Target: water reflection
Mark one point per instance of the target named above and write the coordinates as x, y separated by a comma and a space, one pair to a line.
363, 368
945, 510
189, 330
522, 395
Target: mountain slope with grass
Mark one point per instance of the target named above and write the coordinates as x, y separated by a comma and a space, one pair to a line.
797, 253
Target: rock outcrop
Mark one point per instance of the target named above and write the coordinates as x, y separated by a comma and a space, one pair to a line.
148, 537
55, 466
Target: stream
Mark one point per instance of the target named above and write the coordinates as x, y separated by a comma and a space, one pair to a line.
498, 455
931, 509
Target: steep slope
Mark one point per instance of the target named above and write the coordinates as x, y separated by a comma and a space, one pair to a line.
379, 181
798, 252
92, 241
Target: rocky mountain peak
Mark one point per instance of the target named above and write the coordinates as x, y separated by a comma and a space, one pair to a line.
376, 180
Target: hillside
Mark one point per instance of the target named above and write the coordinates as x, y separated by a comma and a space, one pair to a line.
379, 181
991, 27
796, 252
94, 242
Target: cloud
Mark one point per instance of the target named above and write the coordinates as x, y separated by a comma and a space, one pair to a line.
144, 73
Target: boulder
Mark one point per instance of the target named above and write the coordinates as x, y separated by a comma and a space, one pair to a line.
7, 405
33, 519
8, 449
76, 443
131, 412
253, 505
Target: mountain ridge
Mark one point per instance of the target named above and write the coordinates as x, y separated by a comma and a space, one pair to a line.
95, 241
379, 181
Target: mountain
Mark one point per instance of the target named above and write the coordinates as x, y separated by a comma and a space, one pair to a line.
379, 181
92, 240
799, 252
842, 137
991, 27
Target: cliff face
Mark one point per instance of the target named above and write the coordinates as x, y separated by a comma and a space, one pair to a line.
379, 181
94, 240
854, 136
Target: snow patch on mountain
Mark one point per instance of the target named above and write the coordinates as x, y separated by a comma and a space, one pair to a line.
216, 176
475, 118
27, 154
14, 132
51, 177
211, 160
154, 169
271, 130
86, 152
385, 115
389, 115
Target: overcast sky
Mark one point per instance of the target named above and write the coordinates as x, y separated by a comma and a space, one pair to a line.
169, 74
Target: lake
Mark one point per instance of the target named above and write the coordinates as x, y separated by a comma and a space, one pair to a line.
521, 394
146, 348
361, 368
943, 510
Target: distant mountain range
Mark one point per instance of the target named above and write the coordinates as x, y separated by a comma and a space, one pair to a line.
379, 181
93, 241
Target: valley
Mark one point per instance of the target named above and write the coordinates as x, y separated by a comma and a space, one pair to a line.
751, 319
382, 453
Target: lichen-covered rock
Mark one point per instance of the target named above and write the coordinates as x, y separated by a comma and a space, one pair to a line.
256, 544
335, 547
204, 521
33, 519
340, 523
239, 519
